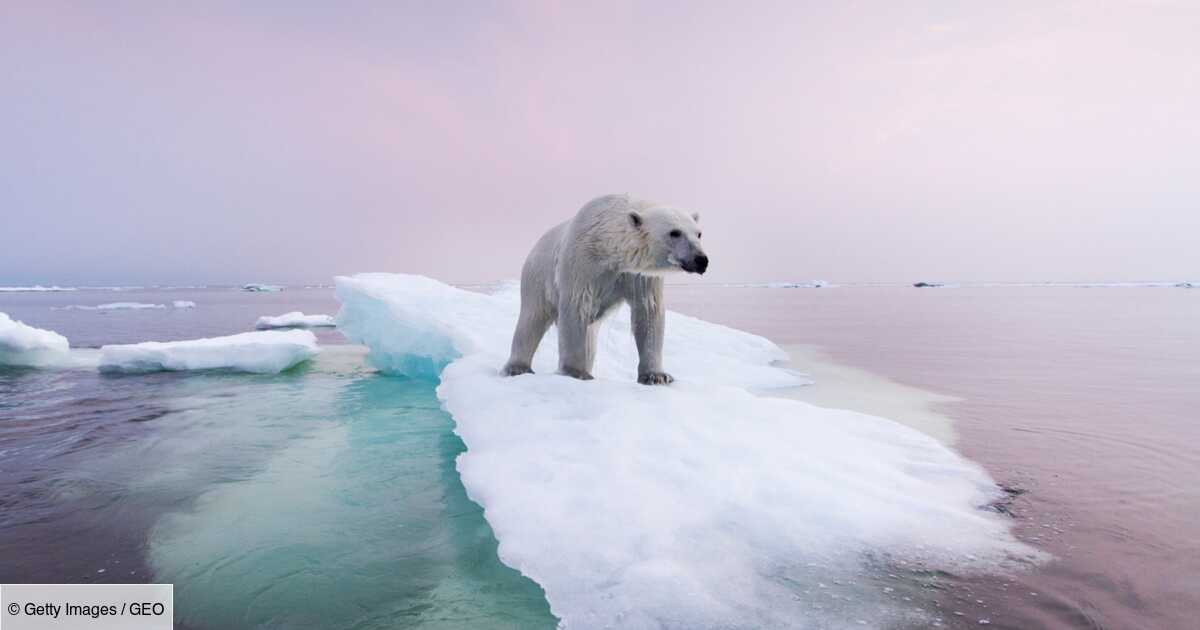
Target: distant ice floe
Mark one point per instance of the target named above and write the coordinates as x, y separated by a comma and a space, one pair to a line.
261, 287
1055, 284
697, 505
35, 289
813, 284
129, 287
266, 352
24, 345
1105, 285
183, 304
112, 306
294, 319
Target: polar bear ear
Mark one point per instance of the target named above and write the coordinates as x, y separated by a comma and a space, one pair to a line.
635, 219
696, 217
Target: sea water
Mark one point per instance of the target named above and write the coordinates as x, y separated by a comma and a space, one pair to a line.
327, 496
322, 497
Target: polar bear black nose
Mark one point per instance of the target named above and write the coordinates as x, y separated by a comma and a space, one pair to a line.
701, 263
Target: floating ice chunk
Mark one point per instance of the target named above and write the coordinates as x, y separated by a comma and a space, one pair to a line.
261, 287
183, 304
22, 344
416, 326
35, 289
265, 352
294, 319
697, 505
114, 306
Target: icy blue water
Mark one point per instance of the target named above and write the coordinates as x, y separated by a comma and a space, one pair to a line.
324, 497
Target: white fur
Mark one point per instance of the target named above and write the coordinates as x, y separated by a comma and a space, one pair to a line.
615, 249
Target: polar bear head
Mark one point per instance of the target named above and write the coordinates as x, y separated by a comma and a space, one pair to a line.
670, 240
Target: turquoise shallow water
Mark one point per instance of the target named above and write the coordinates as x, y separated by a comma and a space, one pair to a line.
325, 497
330, 500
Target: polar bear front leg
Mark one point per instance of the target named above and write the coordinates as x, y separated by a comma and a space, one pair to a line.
648, 318
576, 343
531, 327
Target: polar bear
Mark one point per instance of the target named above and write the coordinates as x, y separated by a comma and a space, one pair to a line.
617, 248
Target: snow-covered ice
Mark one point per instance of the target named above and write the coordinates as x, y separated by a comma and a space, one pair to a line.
183, 304
294, 319
266, 352
694, 505
22, 344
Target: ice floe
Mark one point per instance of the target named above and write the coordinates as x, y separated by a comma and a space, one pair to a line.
698, 505
113, 306
265, 352
24, 345
294, 319
37, 288
261, 287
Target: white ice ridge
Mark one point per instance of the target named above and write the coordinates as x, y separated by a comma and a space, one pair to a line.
294, 319
22, 344
698, 505
264, 352
183, 304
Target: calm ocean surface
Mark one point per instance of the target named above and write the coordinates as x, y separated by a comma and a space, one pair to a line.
327, 497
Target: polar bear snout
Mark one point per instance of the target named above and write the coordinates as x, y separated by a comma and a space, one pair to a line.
698, 264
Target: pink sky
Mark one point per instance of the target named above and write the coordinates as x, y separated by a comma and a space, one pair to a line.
843, 141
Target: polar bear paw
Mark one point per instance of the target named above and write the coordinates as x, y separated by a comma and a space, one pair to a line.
515, 369
655, 378
582, 375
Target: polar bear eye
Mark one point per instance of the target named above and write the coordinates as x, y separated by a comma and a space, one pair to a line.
676, 233
699, 234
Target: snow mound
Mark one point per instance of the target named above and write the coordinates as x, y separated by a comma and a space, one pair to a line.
114, 306
266, 352
22, 344
697, 505
183, 304
294, 319
261, 287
